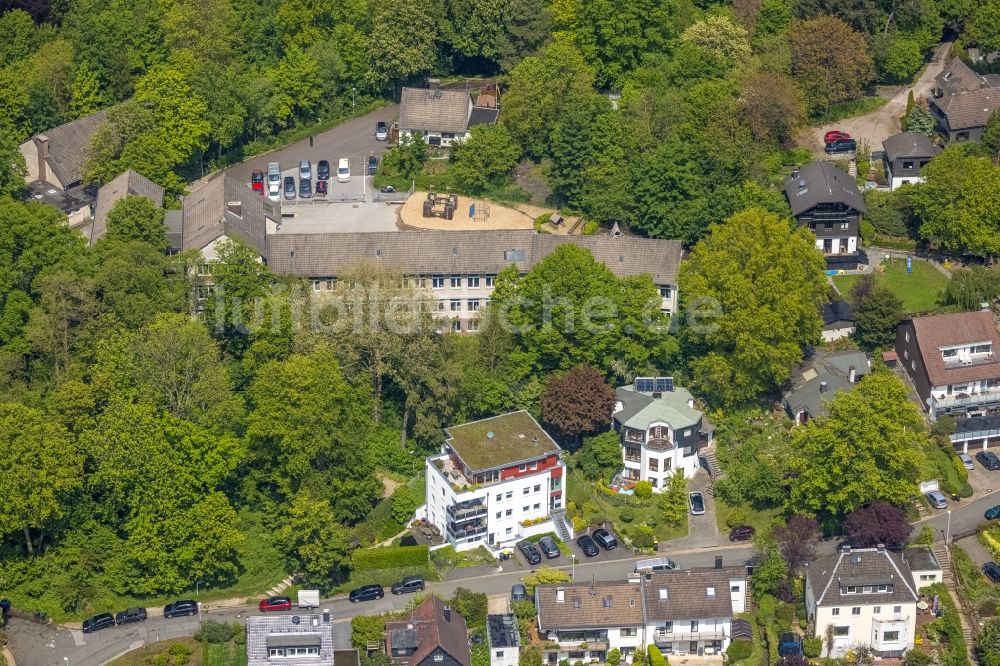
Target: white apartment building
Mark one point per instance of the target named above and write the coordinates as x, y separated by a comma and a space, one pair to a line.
660, 430
863, 596
681, 612
496, 481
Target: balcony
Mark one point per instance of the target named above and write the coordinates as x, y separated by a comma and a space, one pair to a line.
467, 510
964, 401
633, 436
467, 531
703, 635
660, 444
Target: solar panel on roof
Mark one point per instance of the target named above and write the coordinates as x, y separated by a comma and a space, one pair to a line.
663, 384
644, 384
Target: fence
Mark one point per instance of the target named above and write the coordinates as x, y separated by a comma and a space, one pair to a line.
393, 197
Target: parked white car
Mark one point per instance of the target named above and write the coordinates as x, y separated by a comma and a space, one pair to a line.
344, 171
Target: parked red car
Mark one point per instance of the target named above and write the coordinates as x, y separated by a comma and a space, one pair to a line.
835, 135
742, 533
257, 181
275, 604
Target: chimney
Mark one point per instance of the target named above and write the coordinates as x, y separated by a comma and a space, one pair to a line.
845, 549
42, 145
718, 561
447, 613
802, 185
690, 403
822, 387
851, 374
326, 616
880, 547
795, 173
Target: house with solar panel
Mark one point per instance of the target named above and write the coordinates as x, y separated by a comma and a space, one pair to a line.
660, 430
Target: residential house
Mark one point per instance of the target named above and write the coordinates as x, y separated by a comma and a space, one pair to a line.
838, 320
952, 360
496, 481
504, 639
818, 380
681, 612
442, 117
54, 160
906, 154
432, 635
924, 566
862, 596
660, 430
127, 183
826, 200
963, 101
295, 640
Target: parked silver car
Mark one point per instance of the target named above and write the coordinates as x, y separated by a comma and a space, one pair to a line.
937, 499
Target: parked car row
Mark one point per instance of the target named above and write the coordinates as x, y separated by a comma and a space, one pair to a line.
839, 142
589, 543
277, 185
128, 616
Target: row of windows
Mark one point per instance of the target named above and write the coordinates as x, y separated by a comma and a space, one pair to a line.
524, 509
859, 589
455, 281
455, 304
856, 610
887, 636
292, 651
527, 489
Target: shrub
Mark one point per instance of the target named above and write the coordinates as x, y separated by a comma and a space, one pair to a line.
543, 576
917, 658
812, 646
626, 516
783, 616
926, 536
736, 518
591, 227
643, 536
579, 524
180, 654
739, 650
473, 606
655, 657
541, 220
643, 489
371, 559
614, 657
369, 628
215, 632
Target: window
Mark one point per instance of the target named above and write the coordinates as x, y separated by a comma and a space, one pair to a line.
456, 281
522, 468
534, 465
537, 507
654, 465
949, 353
710, 592
694, 626
509, 530
473, 325
665, 292
538, 488
527, 489
687, 433
913, 366
456, 305
883, 588
490, 280
841, 631
876, 610
513, 255
629, 631
510, 512
438, 657
734, 588
906, 354
850, 589
499, 496
890, 636
473, 305
510, 493
668, 627
928, 576
499, 514
474, 281
835, 612
525, 509
845, 225
437, 282
907, 165
906, 336
897, 609
456, 326
856, 610
499, 654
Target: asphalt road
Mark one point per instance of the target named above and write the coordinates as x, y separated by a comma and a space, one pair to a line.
965, 514
37, 645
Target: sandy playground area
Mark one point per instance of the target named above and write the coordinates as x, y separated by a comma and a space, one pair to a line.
501, 216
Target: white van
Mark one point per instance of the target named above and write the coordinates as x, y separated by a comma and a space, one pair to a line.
274, 173
344, 170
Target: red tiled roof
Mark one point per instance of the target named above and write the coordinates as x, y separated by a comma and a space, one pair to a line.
936, 331
433, 629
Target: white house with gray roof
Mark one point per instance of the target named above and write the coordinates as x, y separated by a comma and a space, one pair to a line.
660, 430
295, 640
862, 596
818, 380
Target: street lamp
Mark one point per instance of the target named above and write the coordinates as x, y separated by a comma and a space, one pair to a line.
199, 612
572, 558
353, 91
947, 534
66, 661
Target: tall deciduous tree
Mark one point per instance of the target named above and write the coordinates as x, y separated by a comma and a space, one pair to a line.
797, 540
772, 106
720, 35
137, 218
601, 456
867, 449
877, 311
674, 499
485, 159
751, 292
987, 643
397, 55
578, 401
877, 523
526, 29
829, 75
314, 541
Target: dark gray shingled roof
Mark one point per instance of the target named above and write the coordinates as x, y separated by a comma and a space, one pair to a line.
821, 182
427, 109
68, 145
445, 252
908, 144
861, 566
958, 77
969, 109
127, 183
805, 389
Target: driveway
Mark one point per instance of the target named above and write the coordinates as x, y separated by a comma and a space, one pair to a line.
874, 127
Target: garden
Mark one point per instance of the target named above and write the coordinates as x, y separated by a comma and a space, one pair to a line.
919, 291
978, 593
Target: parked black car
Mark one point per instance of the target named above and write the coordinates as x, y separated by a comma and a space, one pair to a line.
789, 645
741, 533
530, 552
98, 622
322, 170
289, 187
605, 539
322, 188
518, 592
841, 146
180, 608
408, 585
587, 545
366, 593
549, 547
372, 165
989, 460
992, 571
305, 189
130, 615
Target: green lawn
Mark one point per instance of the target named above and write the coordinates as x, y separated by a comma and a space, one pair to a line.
761, 520
920, 291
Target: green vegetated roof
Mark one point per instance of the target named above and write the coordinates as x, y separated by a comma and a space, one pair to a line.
515, 437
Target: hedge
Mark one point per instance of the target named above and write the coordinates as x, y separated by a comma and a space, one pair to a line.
373, 559
739, 649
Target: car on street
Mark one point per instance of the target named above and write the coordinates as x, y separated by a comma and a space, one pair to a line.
697, 501
937, 499
588, 545
275, 604
518, 592
322, 188
966, 460
289, 187
741, 533
605, 539
180, 608
130, 615
257, 181
366, 593
841, 146
344, 170
992, 571
408, 585
305, 189
549, 547
381, 131
993, 512
98, 622
322, 170
656, 564
305, 170
372, 165
835, 135
989, 460
530, 552
789, 645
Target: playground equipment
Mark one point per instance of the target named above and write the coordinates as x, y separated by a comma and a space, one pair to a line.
479, 211
442, 206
